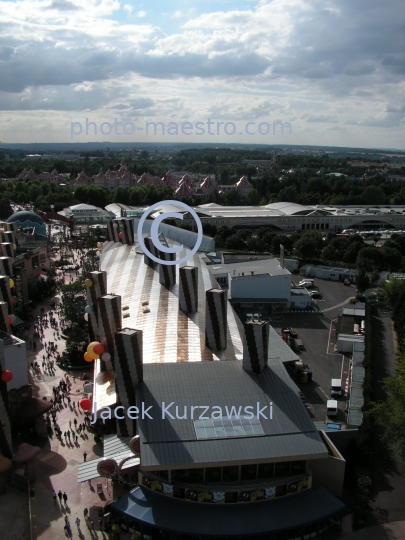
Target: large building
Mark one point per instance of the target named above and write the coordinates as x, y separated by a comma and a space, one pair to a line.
226, 447
288, 217
186, 186
86, 213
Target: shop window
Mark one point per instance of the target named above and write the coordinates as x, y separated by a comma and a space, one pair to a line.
164, 475
282, 469
230, 474
248, 472
298, 467
180, 476
265, 470
212, 475
196, 476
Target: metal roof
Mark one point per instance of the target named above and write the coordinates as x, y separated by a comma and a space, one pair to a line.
113, 445
354, 417
173, 442
230, 520
357, 310
88, 469
357, 376
169, 335
259, 267
356, 398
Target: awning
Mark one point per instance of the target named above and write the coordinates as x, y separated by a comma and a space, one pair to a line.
16, 321
228, 520
88, 469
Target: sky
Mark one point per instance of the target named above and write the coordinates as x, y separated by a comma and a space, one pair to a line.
312, 72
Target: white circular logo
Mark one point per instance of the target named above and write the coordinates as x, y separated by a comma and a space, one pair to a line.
154, 232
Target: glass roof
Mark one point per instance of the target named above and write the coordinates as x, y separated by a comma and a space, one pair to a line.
223, 428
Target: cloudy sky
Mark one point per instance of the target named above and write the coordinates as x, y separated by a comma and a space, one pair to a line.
333, 69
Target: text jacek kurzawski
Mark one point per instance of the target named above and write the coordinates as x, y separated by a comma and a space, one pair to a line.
176, 412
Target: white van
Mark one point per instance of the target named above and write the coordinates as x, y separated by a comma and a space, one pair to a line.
306, 280
332, 407
307, 283
336, 387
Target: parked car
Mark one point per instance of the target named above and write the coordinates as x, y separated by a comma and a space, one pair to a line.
315, 295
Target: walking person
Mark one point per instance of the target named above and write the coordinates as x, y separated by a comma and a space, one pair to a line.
54, 496
65, 498
60, 496
85, 456
78, 522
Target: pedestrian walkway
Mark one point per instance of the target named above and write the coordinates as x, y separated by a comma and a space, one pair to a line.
57, 465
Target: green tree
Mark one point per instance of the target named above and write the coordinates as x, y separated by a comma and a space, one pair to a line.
373, 195
362, 281
235, 242
390, 414
289, 194
309, 245
224, 177
233, 198
73, 302
368, 259
253, 197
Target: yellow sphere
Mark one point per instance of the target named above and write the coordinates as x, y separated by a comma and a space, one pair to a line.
92, 355
90, 350
14, 246
88, 282
11, 283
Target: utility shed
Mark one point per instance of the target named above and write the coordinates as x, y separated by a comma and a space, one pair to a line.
355, 310
357, 377
345, 342
356, 398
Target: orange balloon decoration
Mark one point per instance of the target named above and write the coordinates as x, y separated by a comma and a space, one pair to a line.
87, 357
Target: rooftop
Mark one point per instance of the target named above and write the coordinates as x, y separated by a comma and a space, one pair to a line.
265, 266
173, 442
128, 273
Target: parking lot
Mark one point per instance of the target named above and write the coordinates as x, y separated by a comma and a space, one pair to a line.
317, 332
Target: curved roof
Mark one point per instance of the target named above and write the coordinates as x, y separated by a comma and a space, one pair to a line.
33, 407
26, 452
24, 216
289, 209
228, 520
28, 219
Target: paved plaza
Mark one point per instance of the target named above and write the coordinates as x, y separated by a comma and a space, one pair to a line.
57, 465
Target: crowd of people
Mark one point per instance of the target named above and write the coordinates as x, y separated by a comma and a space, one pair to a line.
61, 399
64, 394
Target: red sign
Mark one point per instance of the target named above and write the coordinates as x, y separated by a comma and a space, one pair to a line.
107, 467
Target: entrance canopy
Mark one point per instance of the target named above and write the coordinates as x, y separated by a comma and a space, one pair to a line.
230, 520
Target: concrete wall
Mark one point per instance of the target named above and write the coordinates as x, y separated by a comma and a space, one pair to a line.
15, 359
330, 472
290, 264
300, 301
261, 286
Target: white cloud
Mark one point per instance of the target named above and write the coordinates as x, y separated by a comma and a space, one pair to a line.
309, 60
